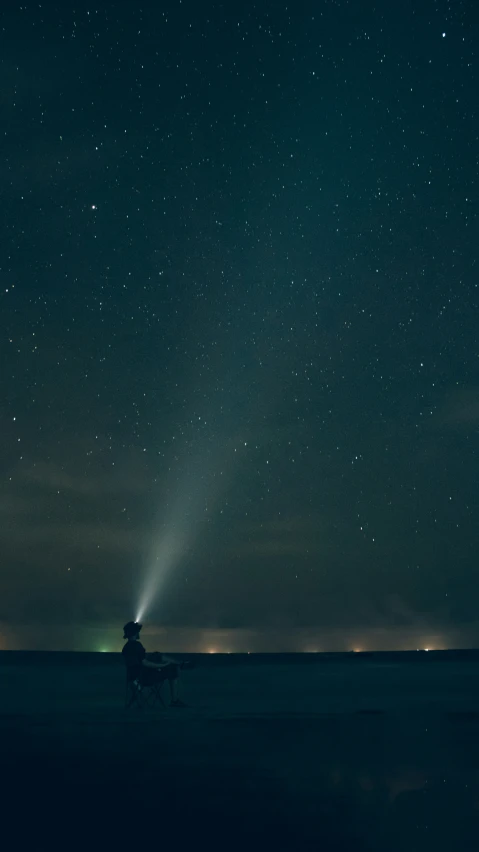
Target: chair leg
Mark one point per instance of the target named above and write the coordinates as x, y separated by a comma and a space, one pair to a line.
153, 696
158, 696
133, 697
146, 697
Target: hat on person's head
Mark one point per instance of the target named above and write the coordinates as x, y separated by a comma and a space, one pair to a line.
131, 628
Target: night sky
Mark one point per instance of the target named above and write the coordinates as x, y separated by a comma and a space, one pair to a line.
239, 322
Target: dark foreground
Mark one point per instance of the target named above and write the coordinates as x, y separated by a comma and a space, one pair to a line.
378, 756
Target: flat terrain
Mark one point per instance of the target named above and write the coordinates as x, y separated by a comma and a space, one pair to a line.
330, 756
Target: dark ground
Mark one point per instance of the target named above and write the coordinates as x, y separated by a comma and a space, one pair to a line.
328, 756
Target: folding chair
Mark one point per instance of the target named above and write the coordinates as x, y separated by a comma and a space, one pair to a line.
142, 696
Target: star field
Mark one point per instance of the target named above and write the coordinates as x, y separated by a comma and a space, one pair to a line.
239, 302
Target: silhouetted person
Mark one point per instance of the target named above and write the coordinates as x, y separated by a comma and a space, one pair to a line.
143, 672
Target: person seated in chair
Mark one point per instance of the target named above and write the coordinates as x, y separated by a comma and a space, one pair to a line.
143, 672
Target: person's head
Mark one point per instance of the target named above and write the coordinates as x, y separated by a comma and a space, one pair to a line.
132, 630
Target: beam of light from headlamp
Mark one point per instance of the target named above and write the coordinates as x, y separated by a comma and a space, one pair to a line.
166, 552
175, 533
239, 401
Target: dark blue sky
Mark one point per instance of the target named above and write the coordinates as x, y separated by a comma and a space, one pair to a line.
239, 304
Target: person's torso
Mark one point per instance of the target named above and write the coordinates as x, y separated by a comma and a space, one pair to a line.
133, 655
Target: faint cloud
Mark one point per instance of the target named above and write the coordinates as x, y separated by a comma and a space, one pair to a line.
14, 505
273, 547
45, 506
285, 526
53, 477
294, 536
80, 537
460, 409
